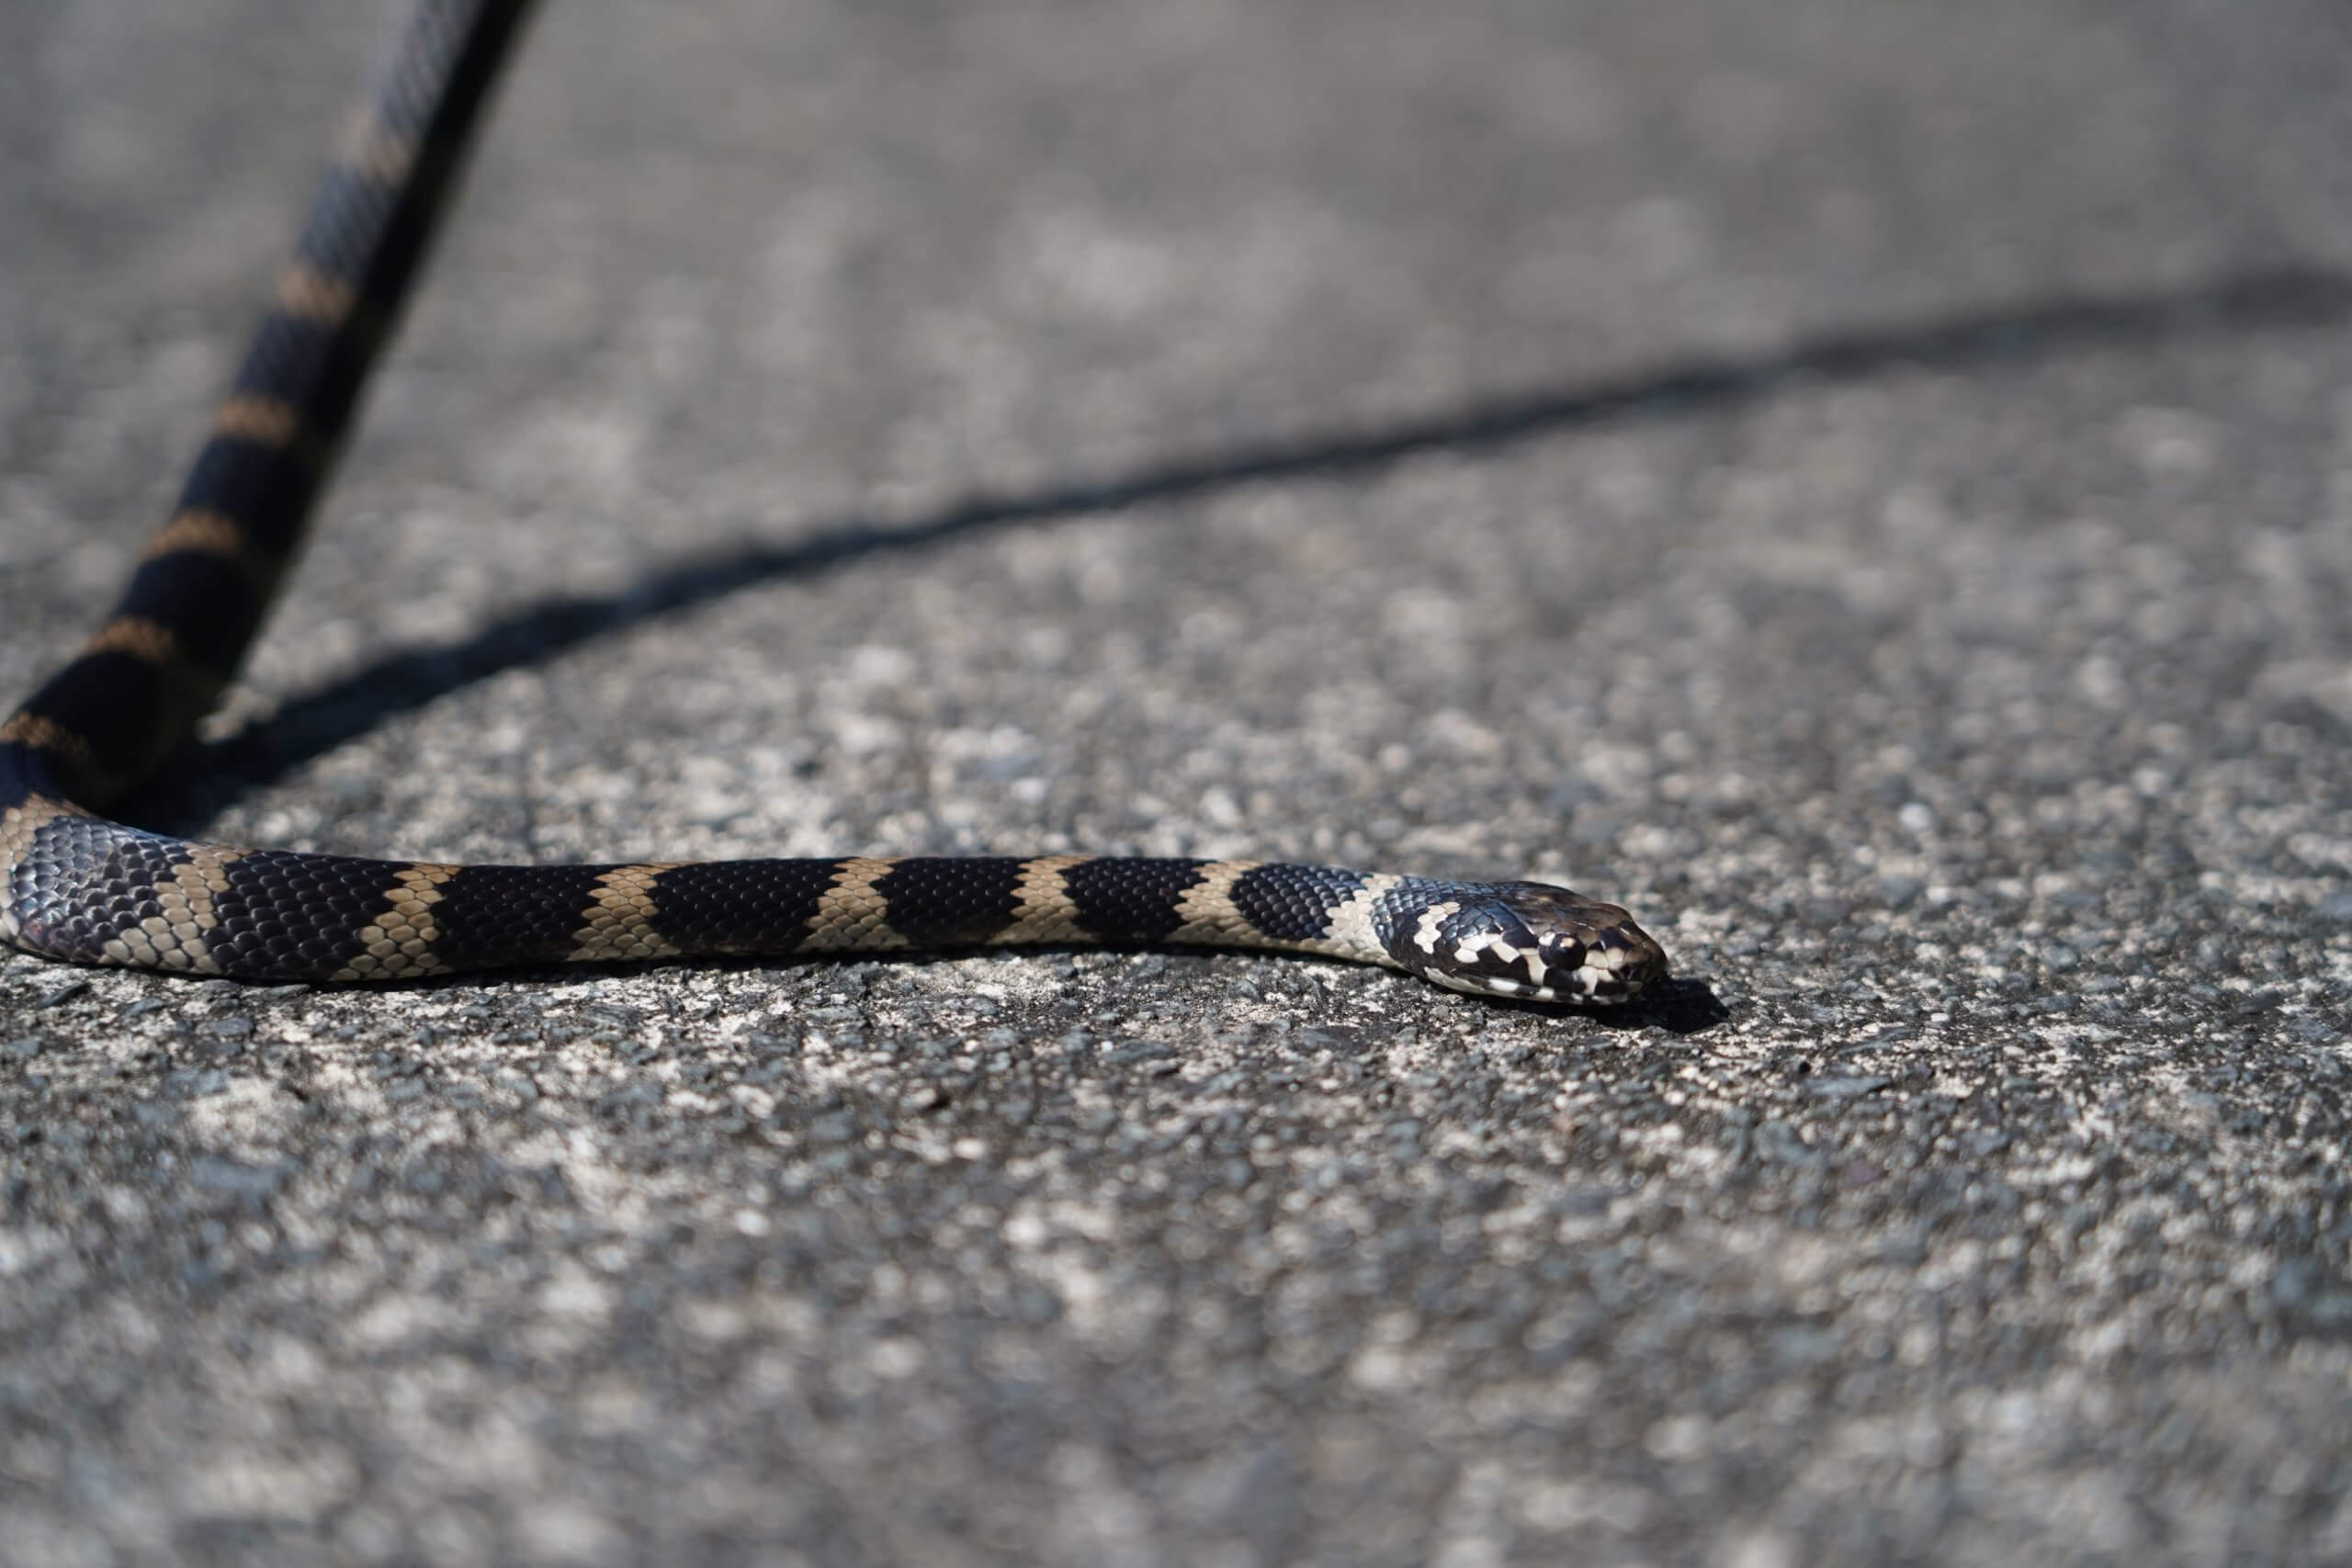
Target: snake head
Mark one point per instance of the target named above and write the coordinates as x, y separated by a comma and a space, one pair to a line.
1529, 941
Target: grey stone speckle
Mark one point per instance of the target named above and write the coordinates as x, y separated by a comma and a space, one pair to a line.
1845, 1087
1829, 475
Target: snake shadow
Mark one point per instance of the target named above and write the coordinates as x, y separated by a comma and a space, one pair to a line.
1679, 1005
204, 777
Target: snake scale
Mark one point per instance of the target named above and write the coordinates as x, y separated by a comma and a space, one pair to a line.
78, 886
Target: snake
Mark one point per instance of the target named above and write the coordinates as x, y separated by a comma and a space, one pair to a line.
78, 886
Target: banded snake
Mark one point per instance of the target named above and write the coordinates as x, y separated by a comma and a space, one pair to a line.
78, 886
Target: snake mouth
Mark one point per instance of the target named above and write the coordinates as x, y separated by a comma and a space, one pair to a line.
1532, 941
1599, 976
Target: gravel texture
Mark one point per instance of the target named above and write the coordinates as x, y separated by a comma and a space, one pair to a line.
1866, 484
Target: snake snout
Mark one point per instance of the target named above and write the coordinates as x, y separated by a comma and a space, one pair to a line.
1534, 941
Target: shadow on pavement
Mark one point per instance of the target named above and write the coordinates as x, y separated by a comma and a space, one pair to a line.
205, 777
1678, 1006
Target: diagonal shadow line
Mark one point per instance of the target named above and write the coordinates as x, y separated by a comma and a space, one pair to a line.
204, 777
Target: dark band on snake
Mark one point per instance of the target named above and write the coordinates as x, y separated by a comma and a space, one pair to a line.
77, 886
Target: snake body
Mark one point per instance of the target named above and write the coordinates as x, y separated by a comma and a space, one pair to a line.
75, 886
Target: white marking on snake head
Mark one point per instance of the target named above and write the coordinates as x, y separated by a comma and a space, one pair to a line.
1425, 929
1477, 943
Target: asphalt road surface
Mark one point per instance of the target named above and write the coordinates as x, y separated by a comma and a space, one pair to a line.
1866, 484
